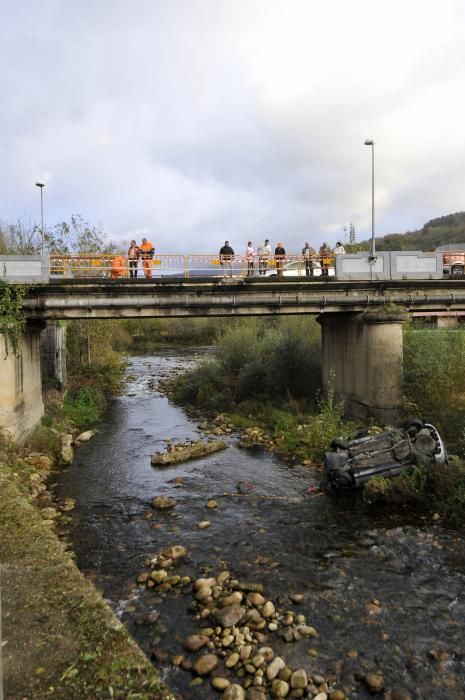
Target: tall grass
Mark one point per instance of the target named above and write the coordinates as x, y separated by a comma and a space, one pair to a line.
434, 377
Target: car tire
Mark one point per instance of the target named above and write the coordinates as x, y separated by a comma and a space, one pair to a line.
413, 425
456, 271
339, 444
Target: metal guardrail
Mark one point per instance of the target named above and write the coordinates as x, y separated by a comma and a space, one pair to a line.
168, 265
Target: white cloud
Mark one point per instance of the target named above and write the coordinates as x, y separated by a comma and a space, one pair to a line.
194, 121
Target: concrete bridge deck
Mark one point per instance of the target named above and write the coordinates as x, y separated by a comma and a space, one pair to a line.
168, 298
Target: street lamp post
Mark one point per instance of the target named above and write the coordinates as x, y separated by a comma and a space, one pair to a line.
41, 184
370, 142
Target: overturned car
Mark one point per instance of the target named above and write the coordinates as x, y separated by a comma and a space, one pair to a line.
350, 463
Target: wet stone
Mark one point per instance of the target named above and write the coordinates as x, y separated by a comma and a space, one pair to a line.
299, 679
279, 689
205, 664
195, 642
229, 616
374, 682
234, 692
220, 683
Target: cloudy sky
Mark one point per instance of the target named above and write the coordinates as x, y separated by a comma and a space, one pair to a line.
192, 121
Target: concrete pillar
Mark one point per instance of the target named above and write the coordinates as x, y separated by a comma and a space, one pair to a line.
21, 405
363, 357
447, 322
53, 355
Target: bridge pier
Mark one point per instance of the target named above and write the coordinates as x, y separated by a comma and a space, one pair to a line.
53, 355
363, 359
21, 404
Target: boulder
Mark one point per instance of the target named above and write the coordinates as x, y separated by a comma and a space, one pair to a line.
183, 453
86, 436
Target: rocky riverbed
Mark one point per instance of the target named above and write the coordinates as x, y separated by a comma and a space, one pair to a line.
241, 582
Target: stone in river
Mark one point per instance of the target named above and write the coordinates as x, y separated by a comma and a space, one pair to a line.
268, 609
229, 616
219, 683
279, 689
163, 502
195, 642
203, 524
275, 667
212, 504
205, 664
374, 682
299, 679
177, 551
234, 692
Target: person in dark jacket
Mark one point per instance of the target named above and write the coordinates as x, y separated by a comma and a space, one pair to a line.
279, 256
133, 258
226, 257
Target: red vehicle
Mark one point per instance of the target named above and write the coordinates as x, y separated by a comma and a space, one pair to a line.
453, 259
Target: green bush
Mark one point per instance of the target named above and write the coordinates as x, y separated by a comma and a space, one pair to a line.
203, 386
434, 377
84, 406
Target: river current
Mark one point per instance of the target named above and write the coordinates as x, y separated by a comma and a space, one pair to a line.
384, 588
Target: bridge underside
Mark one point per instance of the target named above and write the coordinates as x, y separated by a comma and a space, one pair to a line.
361, 328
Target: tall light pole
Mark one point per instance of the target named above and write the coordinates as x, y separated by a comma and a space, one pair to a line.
370, 142
41, 184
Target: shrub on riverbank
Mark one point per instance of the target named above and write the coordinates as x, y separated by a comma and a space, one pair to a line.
274, 362
440, 488
434, 377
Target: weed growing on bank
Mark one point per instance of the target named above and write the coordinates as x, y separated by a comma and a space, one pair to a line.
84, 407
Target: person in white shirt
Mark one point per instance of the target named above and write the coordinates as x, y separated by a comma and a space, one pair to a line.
339, 249
263, 259
249, 255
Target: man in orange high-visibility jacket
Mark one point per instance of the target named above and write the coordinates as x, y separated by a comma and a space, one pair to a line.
118, 267
147, 251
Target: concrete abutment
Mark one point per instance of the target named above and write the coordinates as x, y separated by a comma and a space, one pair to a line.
363, 360
21, 403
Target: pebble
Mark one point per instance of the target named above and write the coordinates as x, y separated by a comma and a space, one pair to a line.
256, 599
318, 680
321, 696
195, 642
275, 667
205, 664
229, 616
296, 598
233, 599
232, 660
255, 694
299, 679
203, 524
177, 551
279, 689
234, 692
212, 504
374, 682
268, 610
219, 683
336, 695
163, 502
202, 582
203, 593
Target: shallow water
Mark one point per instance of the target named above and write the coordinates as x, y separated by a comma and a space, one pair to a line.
339, 553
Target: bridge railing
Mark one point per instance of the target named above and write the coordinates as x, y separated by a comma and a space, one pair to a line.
197, 264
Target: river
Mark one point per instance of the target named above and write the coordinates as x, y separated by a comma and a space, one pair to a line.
384, 588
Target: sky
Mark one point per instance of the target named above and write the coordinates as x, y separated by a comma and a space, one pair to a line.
195, 121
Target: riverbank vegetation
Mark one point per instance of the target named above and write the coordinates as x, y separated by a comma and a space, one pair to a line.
61, 639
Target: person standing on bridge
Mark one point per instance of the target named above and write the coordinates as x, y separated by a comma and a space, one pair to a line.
279, 256
226, 257
264, 256
147, 251
325, 259
133, 258
308, 254
249, 256
339, 249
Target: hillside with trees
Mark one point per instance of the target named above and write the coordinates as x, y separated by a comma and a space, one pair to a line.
444, 229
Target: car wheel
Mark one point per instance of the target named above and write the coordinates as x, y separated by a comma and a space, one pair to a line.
456, 271
339, 444
413, 425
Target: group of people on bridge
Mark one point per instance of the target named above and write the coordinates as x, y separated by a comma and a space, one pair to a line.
258, 259
264, 254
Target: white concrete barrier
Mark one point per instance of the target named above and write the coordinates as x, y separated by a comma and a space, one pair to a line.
361, 266
24, 268
413, 264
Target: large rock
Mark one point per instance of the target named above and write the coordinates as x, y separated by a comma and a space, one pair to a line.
66, 447
85, 436
187, 452
205, 664
229, 616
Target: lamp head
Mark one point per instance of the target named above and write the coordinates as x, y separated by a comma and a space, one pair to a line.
40, 184
369, 142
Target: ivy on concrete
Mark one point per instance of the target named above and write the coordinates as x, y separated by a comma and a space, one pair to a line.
12, 316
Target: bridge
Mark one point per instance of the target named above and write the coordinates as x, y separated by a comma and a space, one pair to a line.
361, 325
